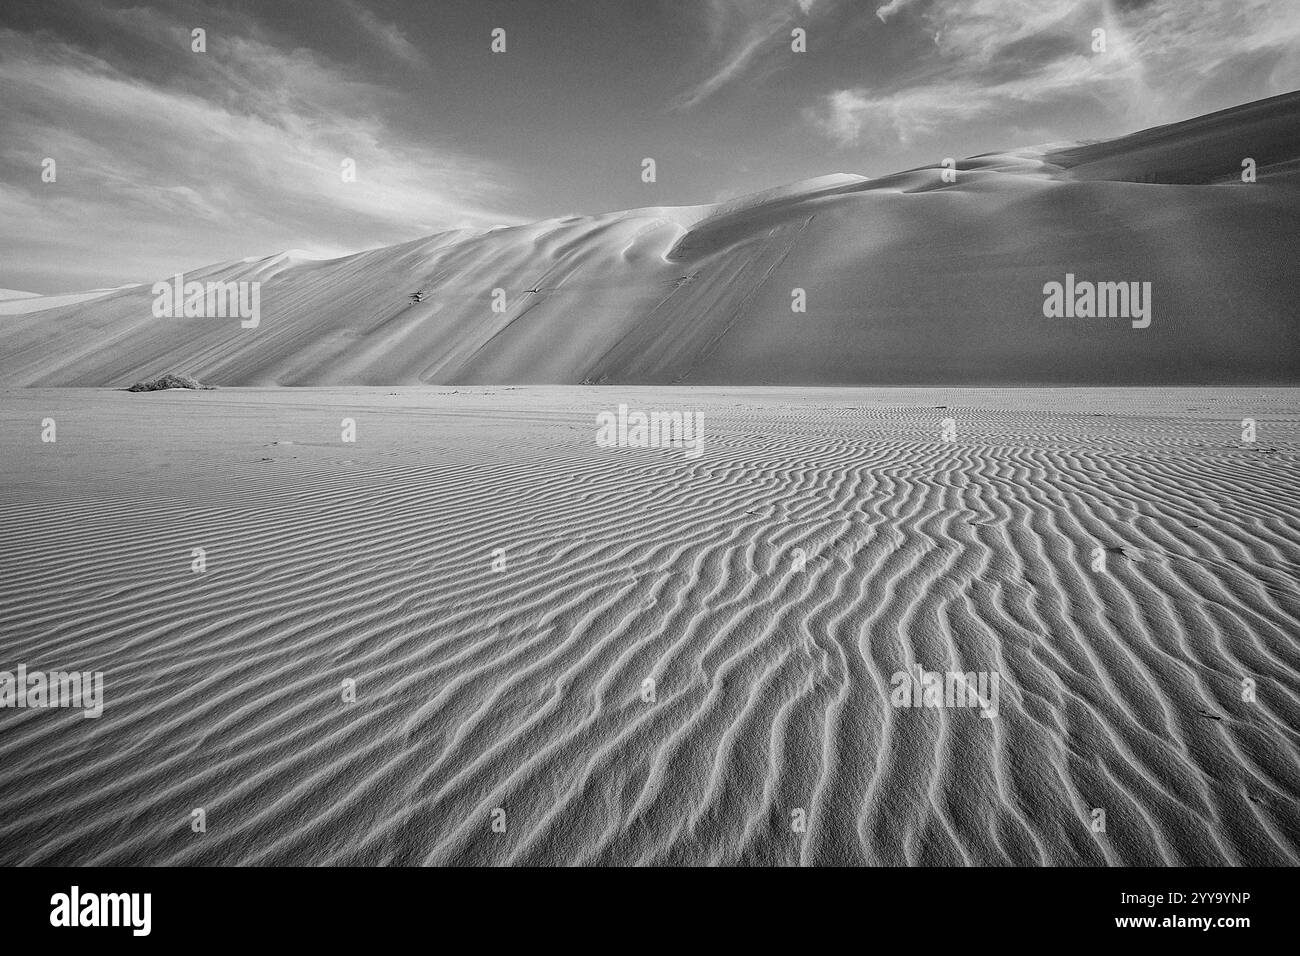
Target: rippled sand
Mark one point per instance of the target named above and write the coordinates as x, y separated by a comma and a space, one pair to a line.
523, 689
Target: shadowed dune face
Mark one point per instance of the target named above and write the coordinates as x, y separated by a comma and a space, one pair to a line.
909, 279
523, 687
1208, 149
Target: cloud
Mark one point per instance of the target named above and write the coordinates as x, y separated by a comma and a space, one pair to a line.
240, 152
389, 35
994, 58
739, 30
892, 7
848, 116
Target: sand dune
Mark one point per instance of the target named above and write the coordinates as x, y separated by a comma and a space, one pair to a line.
522, 689
909, 279
24, 303
1208, 149
566, 653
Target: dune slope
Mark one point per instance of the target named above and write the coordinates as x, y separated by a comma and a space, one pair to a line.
908, 279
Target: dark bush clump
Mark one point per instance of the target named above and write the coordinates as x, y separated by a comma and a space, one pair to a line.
168, 381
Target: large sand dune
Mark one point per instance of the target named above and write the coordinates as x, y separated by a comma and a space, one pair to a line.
909, 280
22, 303
522, 688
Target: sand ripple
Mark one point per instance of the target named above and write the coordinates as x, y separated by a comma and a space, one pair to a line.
522, 689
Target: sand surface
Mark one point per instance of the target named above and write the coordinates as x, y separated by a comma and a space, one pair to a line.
26, 303
907, 279
522, 689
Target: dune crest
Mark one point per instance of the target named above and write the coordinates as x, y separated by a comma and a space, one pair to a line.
703, 294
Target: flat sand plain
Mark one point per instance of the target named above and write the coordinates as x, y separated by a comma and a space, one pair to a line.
502, 713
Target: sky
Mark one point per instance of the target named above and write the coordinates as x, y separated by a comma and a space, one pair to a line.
166, 158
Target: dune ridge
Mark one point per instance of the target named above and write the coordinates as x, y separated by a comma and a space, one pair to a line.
909, 279
25, 303
522, 689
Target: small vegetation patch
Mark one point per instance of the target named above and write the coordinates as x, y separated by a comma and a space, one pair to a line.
168, 381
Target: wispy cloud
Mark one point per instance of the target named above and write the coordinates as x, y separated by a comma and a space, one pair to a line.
891, 8
245, 146
739, 30
994, 58
389, 35
848, 116
170, 158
